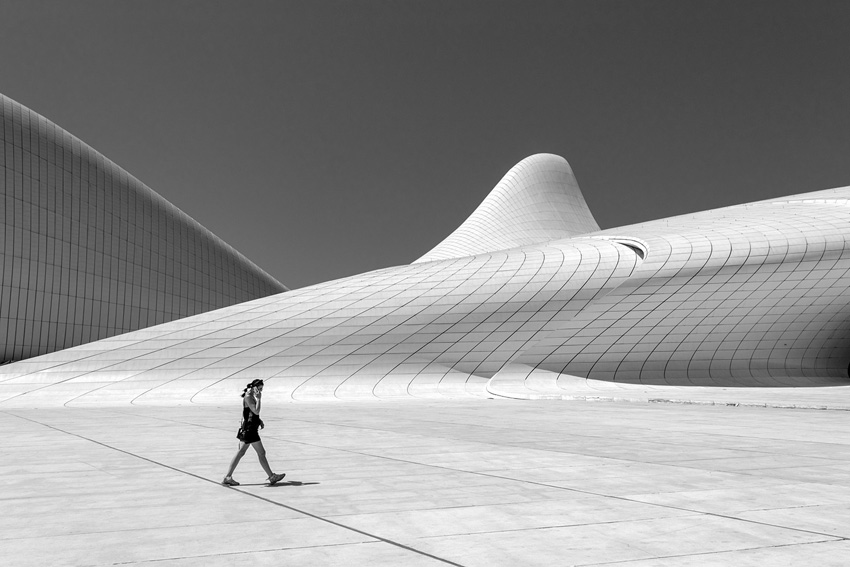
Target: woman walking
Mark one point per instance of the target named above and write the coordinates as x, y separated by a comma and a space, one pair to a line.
249, 434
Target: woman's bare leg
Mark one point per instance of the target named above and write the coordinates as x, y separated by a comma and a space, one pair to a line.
261, 454
243, 447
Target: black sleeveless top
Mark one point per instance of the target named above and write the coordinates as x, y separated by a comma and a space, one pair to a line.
250, 420
250, 430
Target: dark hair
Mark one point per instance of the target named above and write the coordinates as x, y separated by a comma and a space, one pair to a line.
253, 384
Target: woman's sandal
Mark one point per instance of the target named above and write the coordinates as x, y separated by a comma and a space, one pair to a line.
229, 482
276, 478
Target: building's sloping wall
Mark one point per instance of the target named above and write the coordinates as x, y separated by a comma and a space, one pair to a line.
537, 201
89, 252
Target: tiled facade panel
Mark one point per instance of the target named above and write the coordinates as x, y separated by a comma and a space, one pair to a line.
746, 296
537, 201
89, 252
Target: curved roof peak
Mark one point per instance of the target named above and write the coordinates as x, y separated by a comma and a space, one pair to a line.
538, 200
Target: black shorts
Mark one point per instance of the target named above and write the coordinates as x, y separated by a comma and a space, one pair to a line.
251, 435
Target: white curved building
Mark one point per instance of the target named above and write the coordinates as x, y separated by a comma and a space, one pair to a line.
537, 201
89, 252
749, 295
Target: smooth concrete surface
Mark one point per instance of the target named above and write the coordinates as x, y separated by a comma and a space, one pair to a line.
473, 483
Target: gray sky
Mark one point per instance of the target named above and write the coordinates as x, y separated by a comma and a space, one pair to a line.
324, 139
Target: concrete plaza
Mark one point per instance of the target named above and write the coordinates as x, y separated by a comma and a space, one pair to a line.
473, 483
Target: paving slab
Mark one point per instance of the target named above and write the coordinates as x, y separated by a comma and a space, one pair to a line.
472, 482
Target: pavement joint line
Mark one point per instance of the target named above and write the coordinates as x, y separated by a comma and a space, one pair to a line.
131, 530
707, 553
258, 497
234, 553
544, 528
827, 461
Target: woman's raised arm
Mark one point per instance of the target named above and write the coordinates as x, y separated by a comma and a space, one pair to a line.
253, 402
